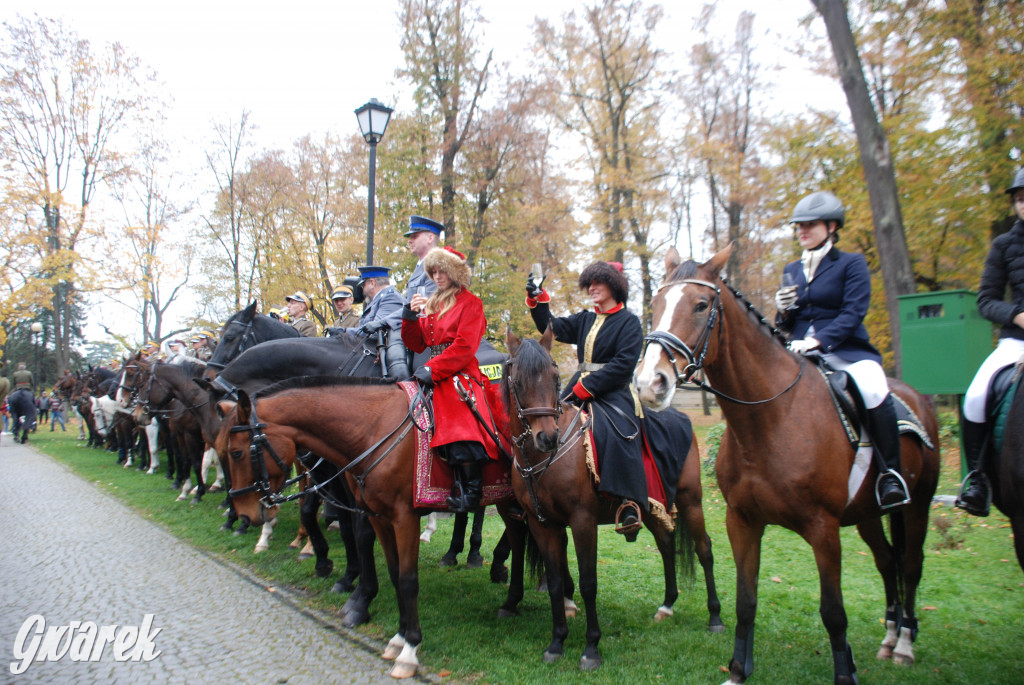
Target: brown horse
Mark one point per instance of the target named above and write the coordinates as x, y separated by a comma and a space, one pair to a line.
367, 429
785, 458
552, 481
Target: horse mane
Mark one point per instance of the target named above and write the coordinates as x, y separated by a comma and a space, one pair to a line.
303, 382
531, 358
688, 269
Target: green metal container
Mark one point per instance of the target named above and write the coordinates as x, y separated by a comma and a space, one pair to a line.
943, 339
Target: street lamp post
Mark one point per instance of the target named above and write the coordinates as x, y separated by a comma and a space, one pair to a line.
373, 121
36, 330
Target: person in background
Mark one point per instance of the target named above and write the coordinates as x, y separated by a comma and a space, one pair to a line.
824, 315
424, 235
56, 412
1004, 271
346, 315
382, 314
298, 312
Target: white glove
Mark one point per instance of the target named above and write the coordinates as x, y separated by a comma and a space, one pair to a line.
804, 346
785, 298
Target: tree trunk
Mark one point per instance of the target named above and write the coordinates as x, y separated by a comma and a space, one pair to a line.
876, 160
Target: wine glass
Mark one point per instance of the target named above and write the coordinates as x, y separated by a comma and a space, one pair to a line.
789, 285
421, 291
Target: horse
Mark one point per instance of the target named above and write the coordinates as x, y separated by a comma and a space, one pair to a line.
785, 458
1005, 471
552, 482
328, 417
246, 329
22, 408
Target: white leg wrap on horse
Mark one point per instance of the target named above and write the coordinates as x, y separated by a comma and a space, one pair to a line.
904, 652
885, 651
185, 487
663, 613
407, 663
431, 526
570, 608
394, 648
267, 532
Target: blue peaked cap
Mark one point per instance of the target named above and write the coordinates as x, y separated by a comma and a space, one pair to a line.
375, 271
422, 223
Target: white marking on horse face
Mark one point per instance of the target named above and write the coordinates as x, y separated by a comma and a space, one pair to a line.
649, 362
122, 395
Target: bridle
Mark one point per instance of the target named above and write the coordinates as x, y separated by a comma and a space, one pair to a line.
524, 412
672, 345
248, 337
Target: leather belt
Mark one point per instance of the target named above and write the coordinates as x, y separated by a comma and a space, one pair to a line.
438, 349
590, 367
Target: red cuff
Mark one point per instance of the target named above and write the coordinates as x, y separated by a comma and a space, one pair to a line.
580, 391
542, 298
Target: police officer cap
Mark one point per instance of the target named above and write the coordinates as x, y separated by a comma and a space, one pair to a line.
298, 296
1017, 183
374, 272
819, 206
422, 223
341, 291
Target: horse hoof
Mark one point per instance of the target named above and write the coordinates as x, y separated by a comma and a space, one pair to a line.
716, 627
507, 613
227, 526
325, 569
662, 613
448, 560
903, 659
341, 587
304, 556
259, 549
401, 671
355, 618
499, 574
550, 657
589, 663
474, 561
884, 653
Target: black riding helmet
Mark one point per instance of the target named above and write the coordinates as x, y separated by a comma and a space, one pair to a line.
1017, 183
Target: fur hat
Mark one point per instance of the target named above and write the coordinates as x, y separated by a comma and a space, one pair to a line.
607, 273
449, 262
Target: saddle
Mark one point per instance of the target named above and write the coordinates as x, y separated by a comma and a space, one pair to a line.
1001, 393
849, 404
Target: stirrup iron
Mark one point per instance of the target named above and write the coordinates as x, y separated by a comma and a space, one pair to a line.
903, 484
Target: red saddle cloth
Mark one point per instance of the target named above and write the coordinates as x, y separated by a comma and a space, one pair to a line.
433, 479
655, 488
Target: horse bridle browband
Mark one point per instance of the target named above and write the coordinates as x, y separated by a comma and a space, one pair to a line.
695, 362
242, 346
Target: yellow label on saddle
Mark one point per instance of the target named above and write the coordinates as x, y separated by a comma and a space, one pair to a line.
492, 371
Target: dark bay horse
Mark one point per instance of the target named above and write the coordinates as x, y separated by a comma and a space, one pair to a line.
1006, 473
552, 482
785, 458
245, 329
367, 428
23, 410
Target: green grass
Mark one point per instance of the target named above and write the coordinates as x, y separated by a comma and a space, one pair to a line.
970, 604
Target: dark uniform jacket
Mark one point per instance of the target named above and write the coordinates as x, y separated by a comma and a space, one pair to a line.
418, 279
607, 347
304, 326
22, 378
834, 303
1004, 266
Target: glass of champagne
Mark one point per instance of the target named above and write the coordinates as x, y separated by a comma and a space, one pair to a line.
789, 286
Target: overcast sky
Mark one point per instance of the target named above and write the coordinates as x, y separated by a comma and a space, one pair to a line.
302, 66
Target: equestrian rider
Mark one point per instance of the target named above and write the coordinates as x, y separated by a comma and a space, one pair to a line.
450, 323
347, 317
203, 346
382, 313
608, 342
424, 235
824, 315
1004, 266
298, 312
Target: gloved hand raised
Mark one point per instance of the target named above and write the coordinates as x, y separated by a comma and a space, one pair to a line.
533, 289
804, 346
423, 376
785, 298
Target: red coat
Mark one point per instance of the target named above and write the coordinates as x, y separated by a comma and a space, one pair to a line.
461, 327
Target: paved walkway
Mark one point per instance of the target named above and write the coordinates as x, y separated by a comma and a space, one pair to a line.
72, 553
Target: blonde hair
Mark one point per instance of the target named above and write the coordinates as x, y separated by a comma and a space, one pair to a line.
442, 300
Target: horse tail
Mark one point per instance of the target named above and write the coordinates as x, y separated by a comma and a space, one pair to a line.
686, 550
534, 560
898, 533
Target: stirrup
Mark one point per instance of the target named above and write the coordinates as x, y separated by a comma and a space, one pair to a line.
984, 482
628, 528
903, 484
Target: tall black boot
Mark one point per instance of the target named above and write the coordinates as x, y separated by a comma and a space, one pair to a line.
975, 492
890, 488
468, 488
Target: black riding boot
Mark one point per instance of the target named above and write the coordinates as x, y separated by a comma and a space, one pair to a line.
468, 487
975, 492
890, 488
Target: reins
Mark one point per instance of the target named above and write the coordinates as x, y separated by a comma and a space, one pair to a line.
695, 362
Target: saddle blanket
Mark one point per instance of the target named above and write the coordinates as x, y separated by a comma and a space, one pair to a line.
433, 477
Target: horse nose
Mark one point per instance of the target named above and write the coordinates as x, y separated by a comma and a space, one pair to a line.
546, 441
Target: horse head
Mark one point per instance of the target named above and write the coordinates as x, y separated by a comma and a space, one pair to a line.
531, 388
128, 385
684, 311
243, 330
251, 456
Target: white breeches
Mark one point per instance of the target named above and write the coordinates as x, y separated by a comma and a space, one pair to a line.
867, 374
1008, 351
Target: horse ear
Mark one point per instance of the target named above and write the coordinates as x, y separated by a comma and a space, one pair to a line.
244, 406
672, 262
250, 311
511, 341
716, 263
224, 407
547, 338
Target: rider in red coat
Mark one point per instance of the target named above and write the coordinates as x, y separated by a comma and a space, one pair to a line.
450, 323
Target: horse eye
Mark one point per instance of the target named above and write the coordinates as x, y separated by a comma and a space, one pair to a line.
701, 307
235, 454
